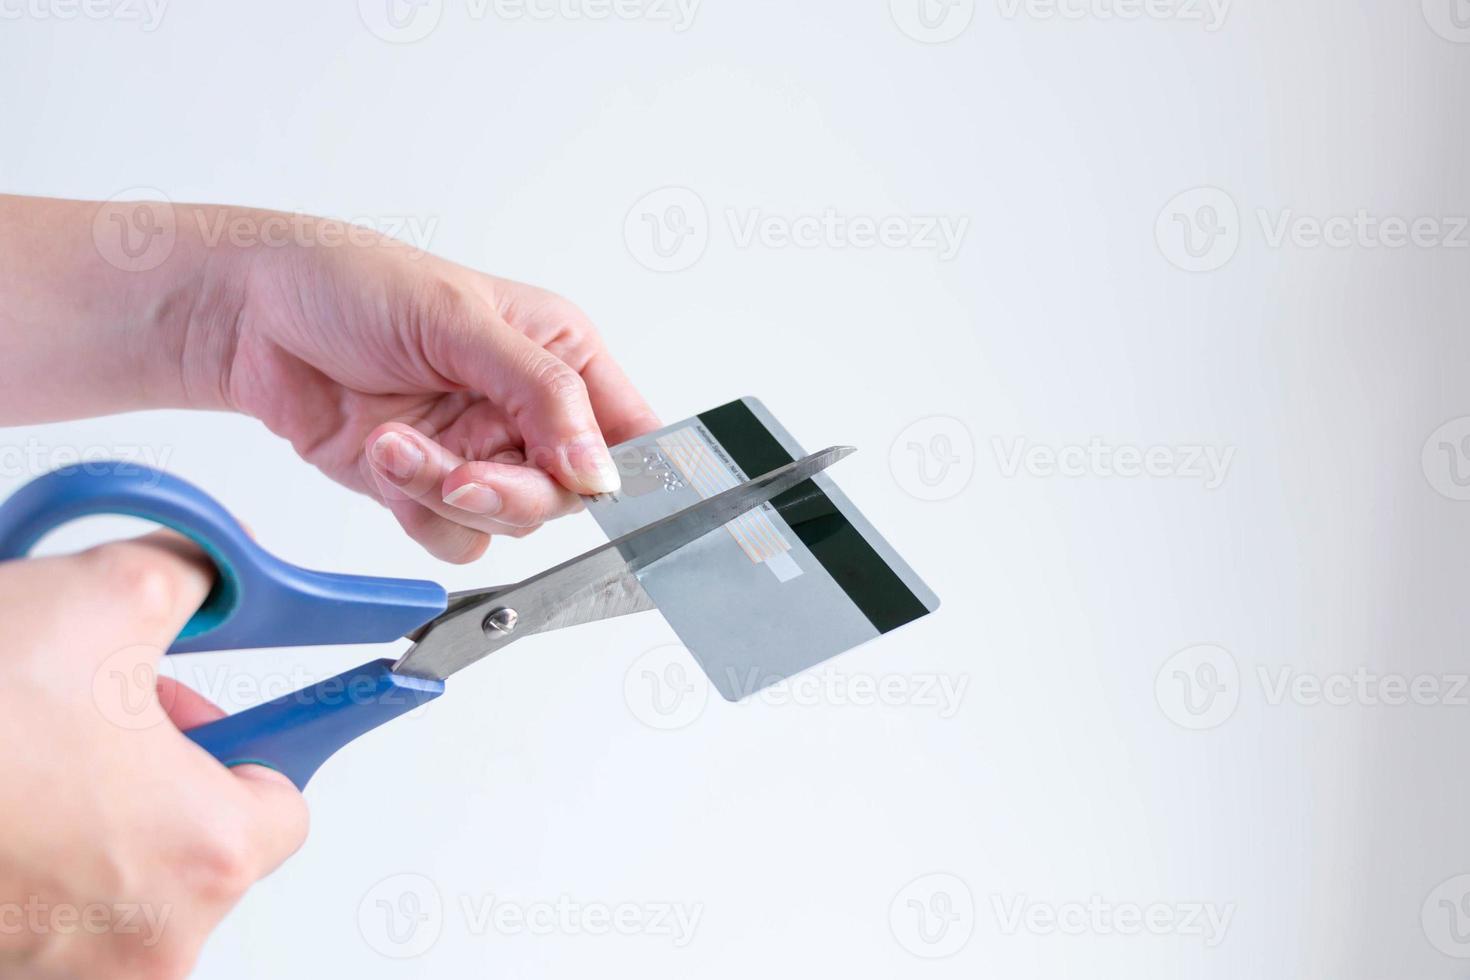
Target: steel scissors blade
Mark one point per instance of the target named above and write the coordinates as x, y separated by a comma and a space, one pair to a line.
599, 584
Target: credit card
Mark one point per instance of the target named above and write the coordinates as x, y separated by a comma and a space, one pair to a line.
778, 590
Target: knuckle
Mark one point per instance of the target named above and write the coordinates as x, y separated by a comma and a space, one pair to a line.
531, 511
136, 578
225, 868
559, 384
296, 816
419, 522
463, 549
442, 537
438, 300
440, 315
568, 316
643, 421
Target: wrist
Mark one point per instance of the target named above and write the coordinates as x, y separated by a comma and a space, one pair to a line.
215, 291
98, 308
243, 263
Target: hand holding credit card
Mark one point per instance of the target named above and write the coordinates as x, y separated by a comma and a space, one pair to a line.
790, 585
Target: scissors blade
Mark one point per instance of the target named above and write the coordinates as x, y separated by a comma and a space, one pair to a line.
599, 584
648, 544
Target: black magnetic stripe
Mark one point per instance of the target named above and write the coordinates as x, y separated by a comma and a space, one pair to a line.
860, 571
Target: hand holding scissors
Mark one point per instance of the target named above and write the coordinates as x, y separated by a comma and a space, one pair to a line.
258, 600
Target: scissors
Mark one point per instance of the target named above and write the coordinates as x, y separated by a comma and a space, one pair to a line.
258, 600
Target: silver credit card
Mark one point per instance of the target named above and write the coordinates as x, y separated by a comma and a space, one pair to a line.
781, 588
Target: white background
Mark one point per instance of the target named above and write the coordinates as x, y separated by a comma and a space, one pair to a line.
1067, 775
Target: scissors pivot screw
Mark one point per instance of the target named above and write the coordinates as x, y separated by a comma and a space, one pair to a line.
501, 620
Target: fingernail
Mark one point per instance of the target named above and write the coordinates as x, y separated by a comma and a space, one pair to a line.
396, 457
475, 498
591, 461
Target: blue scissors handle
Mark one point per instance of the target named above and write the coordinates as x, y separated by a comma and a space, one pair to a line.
296, 733
258, 601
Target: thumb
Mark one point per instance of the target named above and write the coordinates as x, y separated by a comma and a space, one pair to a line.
279, 819
543, 395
